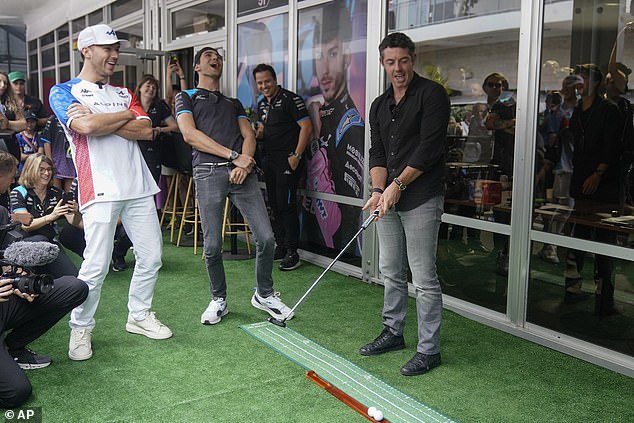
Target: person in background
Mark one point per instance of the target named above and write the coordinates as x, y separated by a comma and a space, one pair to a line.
223, 145
408, 126
11, 107
597, 129
102, 123
37, 196
162, 122
57, 147
29, 140
285, 127
26, 102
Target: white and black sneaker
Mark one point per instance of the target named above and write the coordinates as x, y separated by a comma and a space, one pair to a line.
215, 310
272, 305
290, 261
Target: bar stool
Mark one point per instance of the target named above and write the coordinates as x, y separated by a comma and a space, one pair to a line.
190, 215
235, 228
171, 206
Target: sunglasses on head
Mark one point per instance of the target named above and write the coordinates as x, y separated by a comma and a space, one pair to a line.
494, 84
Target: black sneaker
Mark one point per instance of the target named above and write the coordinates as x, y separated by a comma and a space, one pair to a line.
279, 254
27, 359
118, 263
291, 261
420, 364
385, 342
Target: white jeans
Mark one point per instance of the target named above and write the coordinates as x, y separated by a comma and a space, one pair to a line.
142, 226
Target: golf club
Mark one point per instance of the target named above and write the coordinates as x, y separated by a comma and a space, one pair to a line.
370, 219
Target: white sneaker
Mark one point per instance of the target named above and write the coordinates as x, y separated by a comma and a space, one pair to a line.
216, 309
272, 305
150, 327
79, 346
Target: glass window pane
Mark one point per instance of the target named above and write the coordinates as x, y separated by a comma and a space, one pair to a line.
331, 79
48, 80
95, 17
33, 62
407, 14
470, 268
122, 8
62, 32
205, 17
47, 39
570, 296
585, 134
133, 33
48, 57
262, 41
64, 73
79, 24
32, 45
63, 51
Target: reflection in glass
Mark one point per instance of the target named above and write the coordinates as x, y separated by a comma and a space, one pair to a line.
133, 33
48, 57
79, 24
122, 8
468, 267
580, 315
63, 52
47, 39
204, 17
64, 73
96, 17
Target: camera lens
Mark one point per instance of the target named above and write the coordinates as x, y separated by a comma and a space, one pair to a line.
33, 284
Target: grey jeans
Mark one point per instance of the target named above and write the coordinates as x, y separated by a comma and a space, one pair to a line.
412, 237
212, 187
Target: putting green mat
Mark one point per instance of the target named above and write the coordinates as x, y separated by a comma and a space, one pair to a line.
348, 377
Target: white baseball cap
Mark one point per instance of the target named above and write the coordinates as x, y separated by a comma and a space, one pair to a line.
99, 35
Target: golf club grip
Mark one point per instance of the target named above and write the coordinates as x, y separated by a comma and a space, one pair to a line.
370, 219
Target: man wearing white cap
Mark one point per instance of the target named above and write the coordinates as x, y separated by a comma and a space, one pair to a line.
102, 123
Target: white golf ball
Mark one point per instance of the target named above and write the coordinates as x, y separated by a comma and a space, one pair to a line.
378, 415
372, 411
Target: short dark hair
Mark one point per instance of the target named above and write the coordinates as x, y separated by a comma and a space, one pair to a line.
203, 50
590, 69
335, 26
8, 163
263, 67
397, 40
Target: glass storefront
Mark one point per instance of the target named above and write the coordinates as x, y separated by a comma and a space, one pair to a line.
198, 19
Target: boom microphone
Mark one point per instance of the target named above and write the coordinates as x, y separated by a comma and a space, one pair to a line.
31, 254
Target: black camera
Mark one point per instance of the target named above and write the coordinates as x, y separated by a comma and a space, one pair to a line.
9, 234
30, 283
67, 196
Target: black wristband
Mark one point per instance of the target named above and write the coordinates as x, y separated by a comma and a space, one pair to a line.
379, 190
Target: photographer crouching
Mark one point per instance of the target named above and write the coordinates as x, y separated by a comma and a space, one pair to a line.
25, 316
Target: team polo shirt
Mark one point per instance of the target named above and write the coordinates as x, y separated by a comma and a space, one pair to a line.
25, 199
216, 116
109, 167
281, 119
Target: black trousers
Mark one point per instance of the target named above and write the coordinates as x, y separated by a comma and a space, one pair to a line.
281, 188
27, 322
72, 238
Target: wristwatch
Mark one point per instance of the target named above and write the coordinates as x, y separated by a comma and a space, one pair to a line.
234, 155
296, 154
401, 186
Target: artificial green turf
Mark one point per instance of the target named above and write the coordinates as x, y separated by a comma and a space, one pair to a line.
220, 374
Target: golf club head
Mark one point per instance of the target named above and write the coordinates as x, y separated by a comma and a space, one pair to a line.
277, 322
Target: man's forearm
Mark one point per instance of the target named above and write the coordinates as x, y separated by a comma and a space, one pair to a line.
97, 124
140, 129
378, 175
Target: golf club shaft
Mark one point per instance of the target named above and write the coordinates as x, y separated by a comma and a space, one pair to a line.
332, 263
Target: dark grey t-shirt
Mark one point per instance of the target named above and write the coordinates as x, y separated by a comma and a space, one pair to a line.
216, 116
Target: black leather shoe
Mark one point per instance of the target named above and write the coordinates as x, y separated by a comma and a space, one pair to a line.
420, 364
385, 342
